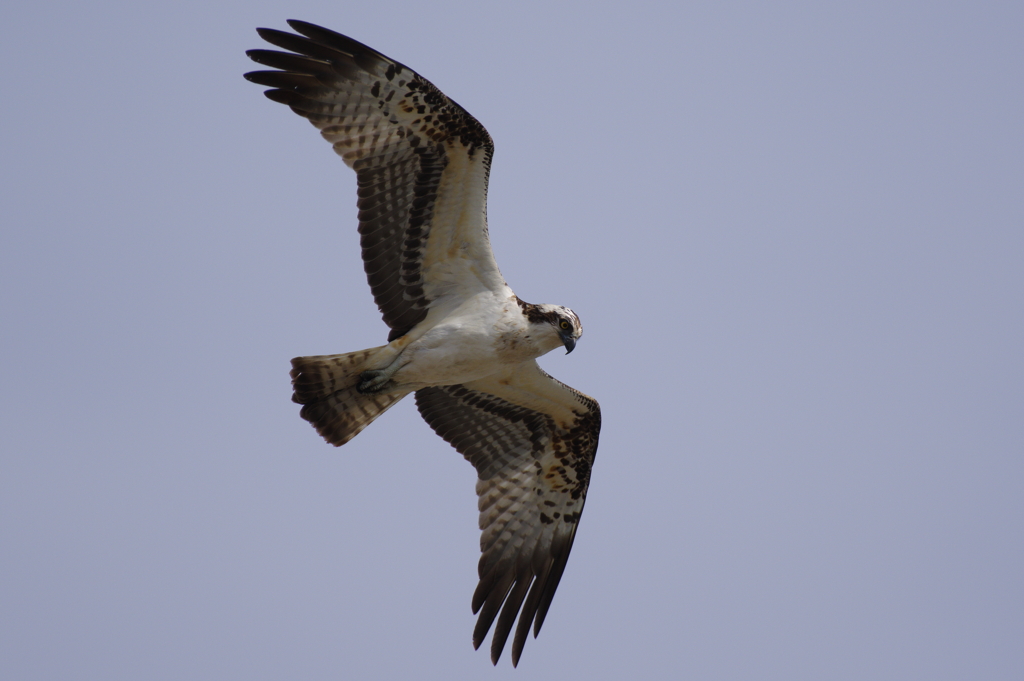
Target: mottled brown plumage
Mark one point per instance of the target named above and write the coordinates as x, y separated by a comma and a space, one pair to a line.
533, 471
393, 129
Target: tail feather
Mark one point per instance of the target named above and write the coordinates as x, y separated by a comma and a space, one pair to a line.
326, 387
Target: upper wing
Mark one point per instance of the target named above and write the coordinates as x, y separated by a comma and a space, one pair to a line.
532, 440
421, 162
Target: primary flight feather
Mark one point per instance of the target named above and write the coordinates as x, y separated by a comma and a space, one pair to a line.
460, 339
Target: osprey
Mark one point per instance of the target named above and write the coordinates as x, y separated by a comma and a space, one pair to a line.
460, 338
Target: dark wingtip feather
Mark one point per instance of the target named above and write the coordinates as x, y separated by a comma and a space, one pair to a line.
264, 32
483, 589
492, 605
561, 558
282, 96
364, 55
529, 611
284, 80
261, 56
313, 30
297, 43
507, 618
323, 35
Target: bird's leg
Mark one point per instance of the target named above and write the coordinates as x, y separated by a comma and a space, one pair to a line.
390, 359
376, 380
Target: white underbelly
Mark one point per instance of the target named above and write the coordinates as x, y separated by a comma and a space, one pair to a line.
447, 355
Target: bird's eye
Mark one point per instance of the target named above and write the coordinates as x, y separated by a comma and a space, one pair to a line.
564, 325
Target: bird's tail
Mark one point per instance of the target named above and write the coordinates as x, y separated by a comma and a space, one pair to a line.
326, 387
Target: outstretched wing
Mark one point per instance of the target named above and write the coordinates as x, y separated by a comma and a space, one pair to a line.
532, 440
421, 162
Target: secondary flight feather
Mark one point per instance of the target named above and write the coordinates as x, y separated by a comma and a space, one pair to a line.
459, 339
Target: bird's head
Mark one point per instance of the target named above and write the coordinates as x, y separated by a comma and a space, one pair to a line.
555, 322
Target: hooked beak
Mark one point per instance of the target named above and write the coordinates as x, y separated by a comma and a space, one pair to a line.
569, 342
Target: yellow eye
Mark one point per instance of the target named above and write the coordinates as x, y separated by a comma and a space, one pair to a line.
564, 325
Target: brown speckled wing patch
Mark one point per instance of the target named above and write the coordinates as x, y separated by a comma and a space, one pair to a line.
532, 483
395, 129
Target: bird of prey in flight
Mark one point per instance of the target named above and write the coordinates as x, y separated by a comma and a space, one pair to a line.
460, 339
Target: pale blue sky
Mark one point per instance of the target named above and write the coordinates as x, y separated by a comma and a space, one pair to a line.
794, 232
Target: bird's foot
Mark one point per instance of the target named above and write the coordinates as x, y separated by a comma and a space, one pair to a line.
374, 380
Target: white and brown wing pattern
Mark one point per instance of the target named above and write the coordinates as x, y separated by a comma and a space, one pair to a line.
421, 161
532, 440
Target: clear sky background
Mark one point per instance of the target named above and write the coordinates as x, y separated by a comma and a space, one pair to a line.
794, 232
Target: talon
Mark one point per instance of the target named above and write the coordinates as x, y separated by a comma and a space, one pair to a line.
372, 380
